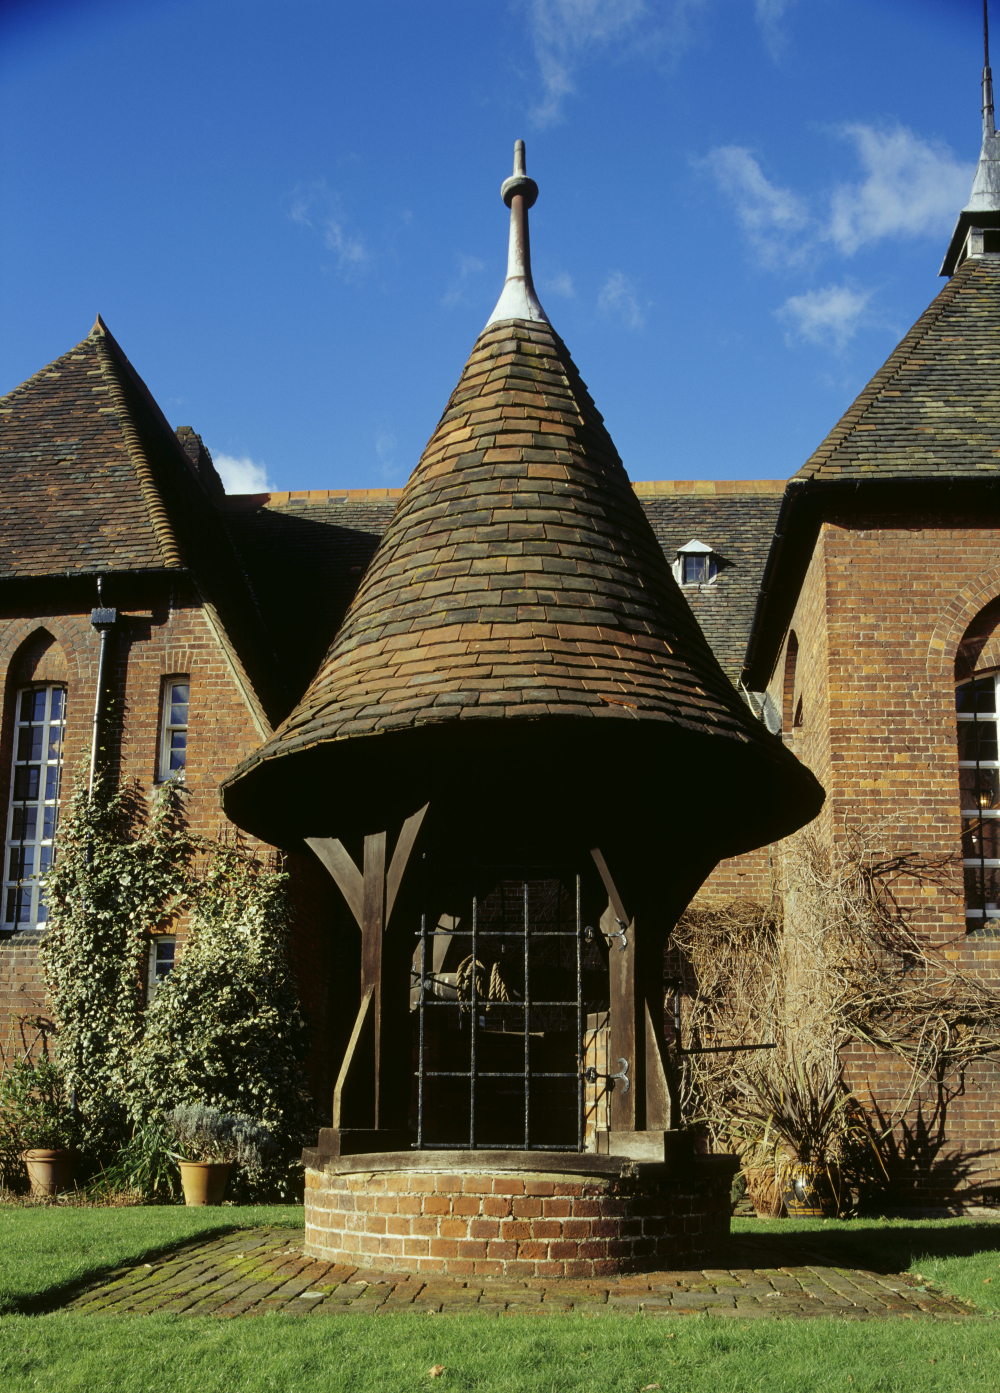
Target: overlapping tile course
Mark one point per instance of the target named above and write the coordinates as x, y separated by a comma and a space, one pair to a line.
518, 577
738, 526
933, 409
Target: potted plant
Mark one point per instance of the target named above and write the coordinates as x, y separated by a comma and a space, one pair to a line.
206, 1143
38, 1123
804, 1107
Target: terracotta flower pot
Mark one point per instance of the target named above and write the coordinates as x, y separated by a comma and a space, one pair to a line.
50, 1171
204, 1182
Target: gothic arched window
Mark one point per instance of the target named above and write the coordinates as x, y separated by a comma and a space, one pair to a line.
40, 722
977, 707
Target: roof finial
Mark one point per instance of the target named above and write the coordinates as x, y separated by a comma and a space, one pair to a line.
988, 126
518, 299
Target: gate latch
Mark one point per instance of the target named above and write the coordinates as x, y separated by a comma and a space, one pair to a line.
591, 1075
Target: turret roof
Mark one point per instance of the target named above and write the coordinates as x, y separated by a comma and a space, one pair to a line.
93, 481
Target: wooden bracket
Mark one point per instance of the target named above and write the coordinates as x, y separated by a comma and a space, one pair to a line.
368, 1093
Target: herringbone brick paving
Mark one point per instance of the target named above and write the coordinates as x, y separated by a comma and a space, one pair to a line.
261, 1270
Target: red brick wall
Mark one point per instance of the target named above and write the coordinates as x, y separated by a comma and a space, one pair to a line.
161, 632
879, 619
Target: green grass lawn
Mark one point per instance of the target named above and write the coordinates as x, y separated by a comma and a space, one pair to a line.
72, 1353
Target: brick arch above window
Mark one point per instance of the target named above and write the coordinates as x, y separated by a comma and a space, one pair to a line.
40, 658
177, 660
954, 621
76, 654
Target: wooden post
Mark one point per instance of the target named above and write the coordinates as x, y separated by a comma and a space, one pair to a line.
370, 1094
649, 1106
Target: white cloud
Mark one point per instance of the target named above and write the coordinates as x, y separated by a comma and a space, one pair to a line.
468, 268
769, 14
829, 317
618, 297
911, 187
320, 208
562, 30
242, 475
385, 449
769, 213
559, 285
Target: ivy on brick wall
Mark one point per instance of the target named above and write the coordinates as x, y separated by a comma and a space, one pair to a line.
122, 869
225, 1027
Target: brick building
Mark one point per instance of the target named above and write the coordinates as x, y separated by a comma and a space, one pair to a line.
854, 607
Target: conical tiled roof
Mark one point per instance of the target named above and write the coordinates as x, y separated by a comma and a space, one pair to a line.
518, 582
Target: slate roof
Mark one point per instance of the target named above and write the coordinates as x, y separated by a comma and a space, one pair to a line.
933, 409
93, 480
736, 519
518, 578
319, 543
929, 419
305, 554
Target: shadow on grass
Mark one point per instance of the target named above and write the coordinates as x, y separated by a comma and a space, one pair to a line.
62, 1293
883, 1250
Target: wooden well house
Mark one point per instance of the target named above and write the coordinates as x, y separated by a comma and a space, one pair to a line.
518, 761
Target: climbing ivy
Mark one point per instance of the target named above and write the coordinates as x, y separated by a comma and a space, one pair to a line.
123, 869
224, 1029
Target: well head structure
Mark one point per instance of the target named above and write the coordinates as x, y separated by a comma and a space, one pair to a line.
518, 760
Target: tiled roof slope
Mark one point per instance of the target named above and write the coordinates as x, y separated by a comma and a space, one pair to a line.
320, 543
518, 578
94, 480
305, 554
933, 409
77, 494
737, 522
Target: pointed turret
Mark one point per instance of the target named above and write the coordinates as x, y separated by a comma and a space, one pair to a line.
519, 626
972, 235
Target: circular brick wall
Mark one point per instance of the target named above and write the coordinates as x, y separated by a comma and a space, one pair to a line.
523, 1223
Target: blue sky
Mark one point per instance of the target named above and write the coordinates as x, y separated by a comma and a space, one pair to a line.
289, 213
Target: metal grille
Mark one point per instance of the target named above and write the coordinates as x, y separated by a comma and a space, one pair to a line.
500, 1054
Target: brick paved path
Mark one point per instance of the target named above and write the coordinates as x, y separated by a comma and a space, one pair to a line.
261, 1270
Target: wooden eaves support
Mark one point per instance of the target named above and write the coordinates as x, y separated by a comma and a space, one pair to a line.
370, 1096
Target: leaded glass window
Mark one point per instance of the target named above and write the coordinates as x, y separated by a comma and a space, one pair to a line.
40, 724
979, 781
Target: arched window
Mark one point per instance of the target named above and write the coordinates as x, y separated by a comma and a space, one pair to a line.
977, 706
788, 686
40, 723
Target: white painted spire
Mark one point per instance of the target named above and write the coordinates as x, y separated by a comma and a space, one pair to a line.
518, 299
983, 208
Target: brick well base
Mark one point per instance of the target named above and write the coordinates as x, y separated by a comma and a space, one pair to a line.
411, 1213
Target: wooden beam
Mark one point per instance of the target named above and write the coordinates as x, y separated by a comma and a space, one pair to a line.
609, 885
335, 858
350, 1062
400, 859
661, 1101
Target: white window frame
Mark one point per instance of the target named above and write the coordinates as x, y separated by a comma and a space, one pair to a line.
987, 799
691, 550
168, 728
31, 825
158, 958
